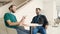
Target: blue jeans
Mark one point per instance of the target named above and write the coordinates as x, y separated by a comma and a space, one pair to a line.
41, 29
21, 30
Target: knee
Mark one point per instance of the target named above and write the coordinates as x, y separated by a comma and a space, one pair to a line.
34, 31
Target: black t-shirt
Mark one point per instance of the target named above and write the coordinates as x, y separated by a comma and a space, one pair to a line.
40, 19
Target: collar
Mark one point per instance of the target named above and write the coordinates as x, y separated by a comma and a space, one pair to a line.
12, 13
39, 15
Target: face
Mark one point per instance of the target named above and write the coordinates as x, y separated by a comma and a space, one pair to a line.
38, 11
13, 9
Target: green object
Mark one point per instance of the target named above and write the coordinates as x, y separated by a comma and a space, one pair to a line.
12, 18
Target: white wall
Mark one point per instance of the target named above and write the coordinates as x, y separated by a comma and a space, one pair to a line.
49, 7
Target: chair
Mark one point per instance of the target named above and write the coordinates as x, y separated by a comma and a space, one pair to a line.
4, 29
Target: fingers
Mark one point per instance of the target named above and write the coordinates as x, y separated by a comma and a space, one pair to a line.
23, 17
22, 20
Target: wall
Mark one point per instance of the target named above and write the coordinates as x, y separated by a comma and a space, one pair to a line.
49, 7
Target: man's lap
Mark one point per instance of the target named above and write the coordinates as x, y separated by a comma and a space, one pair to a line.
40, 29
21, 30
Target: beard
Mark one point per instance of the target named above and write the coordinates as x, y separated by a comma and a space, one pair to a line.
12, 11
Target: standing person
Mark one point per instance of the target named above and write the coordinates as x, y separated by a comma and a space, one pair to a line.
39, 19
11, 21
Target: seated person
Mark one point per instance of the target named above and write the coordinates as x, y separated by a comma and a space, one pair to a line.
11, 21
39, 19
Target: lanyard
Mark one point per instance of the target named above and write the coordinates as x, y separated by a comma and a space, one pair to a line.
38, 18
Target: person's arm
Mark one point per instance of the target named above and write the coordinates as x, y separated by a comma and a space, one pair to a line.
45, 22
12, 23
7, 19
30, 24
46, 26
21, 23
16, 23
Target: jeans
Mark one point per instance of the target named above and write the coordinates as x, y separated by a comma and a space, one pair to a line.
41, 29
21, 30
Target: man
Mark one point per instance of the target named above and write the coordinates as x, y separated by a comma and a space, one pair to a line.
39, 19
11, 21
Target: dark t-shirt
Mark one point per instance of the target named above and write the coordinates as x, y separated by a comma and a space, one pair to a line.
40, 19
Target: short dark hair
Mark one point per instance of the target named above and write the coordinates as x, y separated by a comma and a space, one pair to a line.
11, 6
38, 9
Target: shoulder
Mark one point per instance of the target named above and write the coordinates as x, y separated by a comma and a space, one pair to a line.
6, 14
43, 15
34, 16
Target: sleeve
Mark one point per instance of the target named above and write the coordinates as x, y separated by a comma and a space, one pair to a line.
45, 21
6, 17
33, 20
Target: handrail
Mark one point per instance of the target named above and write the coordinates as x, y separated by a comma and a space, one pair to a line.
23, 4
5, 2
2, 1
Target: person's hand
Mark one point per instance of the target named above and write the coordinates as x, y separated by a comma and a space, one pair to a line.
23, 17
46, 26
22, 20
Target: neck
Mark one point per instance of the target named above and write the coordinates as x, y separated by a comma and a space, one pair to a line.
38, 14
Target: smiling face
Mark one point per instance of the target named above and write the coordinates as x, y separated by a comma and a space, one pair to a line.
38, 10
12, 8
